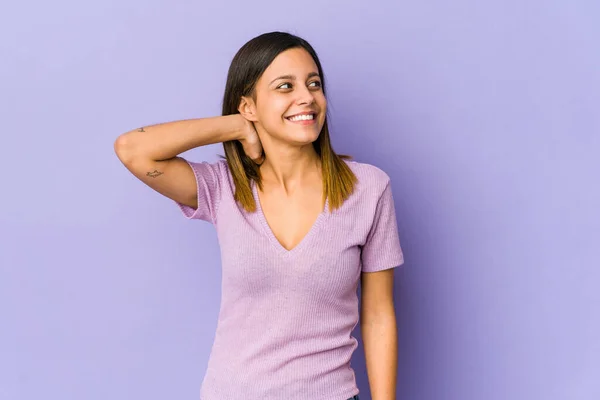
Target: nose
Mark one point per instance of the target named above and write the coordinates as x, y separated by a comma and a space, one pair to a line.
305, 96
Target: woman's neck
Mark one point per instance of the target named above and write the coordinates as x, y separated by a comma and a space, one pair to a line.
291, 167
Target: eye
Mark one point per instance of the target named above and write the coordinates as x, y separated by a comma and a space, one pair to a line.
316, 84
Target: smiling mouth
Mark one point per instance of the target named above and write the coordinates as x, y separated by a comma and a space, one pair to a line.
305, 117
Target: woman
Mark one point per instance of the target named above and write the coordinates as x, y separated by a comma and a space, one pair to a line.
297, 225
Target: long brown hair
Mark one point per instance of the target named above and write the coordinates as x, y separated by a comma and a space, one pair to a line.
247, 66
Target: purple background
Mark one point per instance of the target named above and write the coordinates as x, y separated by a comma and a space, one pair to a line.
485, 115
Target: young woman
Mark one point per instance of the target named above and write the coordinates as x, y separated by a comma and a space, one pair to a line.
298, 226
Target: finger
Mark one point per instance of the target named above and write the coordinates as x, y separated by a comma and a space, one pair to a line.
260, 159
252, 153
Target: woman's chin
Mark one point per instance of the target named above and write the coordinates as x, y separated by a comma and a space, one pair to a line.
301, 138
297, 135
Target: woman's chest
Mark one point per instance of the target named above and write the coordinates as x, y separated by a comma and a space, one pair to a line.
327, 259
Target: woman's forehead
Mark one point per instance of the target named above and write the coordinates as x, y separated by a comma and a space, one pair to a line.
292, 63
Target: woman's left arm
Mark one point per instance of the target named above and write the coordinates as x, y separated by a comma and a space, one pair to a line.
379, 332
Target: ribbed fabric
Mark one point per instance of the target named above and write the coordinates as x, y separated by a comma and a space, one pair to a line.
285, 324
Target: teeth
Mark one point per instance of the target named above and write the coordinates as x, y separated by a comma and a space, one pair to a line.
302, 117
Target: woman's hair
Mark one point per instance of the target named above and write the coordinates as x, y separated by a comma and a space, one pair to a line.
247, 66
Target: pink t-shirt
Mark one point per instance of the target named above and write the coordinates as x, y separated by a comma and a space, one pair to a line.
286, 319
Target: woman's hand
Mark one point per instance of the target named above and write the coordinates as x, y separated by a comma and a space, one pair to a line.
251, 142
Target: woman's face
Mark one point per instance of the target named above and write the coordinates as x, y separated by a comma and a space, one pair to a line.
291, 87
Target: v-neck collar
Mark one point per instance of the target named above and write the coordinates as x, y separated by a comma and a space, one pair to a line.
273, 239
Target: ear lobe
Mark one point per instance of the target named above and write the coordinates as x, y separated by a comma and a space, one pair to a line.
247, 110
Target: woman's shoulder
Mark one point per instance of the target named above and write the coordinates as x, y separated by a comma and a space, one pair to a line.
220, 164
369, 176
219, 167
216, 171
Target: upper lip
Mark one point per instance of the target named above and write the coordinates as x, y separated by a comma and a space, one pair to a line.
302, 113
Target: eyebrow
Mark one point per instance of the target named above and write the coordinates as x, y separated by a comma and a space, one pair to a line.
293, 78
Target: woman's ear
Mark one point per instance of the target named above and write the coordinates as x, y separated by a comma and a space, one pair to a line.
248, 109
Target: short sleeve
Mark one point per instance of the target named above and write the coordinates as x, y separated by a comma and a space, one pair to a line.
382, 248
208, 189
